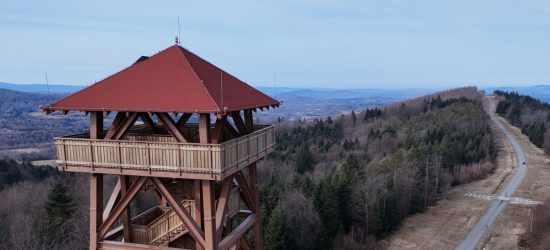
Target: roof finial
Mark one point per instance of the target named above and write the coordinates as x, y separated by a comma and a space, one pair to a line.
177, 40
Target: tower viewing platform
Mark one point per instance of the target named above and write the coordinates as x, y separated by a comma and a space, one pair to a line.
183, 131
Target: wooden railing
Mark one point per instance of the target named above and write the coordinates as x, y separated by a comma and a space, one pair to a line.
159, 230
156, 225
154, 152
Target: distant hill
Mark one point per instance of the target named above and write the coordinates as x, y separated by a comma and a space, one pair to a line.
541, 92
41, 88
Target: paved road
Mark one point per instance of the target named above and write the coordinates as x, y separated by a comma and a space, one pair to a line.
484, 224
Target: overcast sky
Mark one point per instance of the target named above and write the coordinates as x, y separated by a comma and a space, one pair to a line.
328, 44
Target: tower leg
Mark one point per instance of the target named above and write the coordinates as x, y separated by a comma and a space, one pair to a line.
96, 208
209, 208
198, 207
127, 214
253, 177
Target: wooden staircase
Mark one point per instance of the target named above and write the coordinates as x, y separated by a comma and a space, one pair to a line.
160, 226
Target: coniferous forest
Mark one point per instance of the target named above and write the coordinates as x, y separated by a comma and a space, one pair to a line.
342, 182
348, 181
527, 113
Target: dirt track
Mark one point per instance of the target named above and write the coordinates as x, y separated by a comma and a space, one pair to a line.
446, 223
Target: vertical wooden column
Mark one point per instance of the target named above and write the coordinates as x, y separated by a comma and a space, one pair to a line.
202, 197
96, 125
209, 207
198, 207
253, 177
127, 214
204, 128
96, 208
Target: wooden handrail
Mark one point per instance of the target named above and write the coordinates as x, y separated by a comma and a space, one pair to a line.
164, 155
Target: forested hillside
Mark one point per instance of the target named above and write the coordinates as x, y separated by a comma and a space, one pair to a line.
343, 183
527, 113
339, 183
26, 132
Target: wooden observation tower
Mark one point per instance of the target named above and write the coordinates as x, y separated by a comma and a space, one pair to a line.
203, 174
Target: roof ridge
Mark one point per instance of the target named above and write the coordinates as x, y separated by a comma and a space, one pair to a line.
213, 65
200, 80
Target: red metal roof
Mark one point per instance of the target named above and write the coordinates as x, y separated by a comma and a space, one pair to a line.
173, 80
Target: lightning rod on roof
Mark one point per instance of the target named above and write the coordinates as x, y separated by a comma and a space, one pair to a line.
275, 85
179, 32
221, 87
48, 85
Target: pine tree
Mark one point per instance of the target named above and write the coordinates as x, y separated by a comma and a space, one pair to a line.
353, 117
277, 233
59, 205
59, 209
304, 159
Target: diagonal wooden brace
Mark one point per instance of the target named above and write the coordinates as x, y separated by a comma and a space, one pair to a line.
246, 193
121, 206
222, 205
175, 202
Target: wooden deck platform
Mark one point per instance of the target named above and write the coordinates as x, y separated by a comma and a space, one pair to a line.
145, 152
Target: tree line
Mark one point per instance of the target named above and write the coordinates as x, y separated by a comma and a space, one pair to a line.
527, 113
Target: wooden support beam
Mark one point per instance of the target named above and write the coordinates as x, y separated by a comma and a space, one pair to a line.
120, 116
121, 206
243, 213
96, 125
183, 119
254, 190
239, 231
113, 200
171, 127
222, 206
246, 193
198, 205
204, 128
244, 243
237, 119
127, 214
147, 121
217, 133
125, 126
175, 202
158, 197
96, 207
209, 210
231, 129
249, 121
